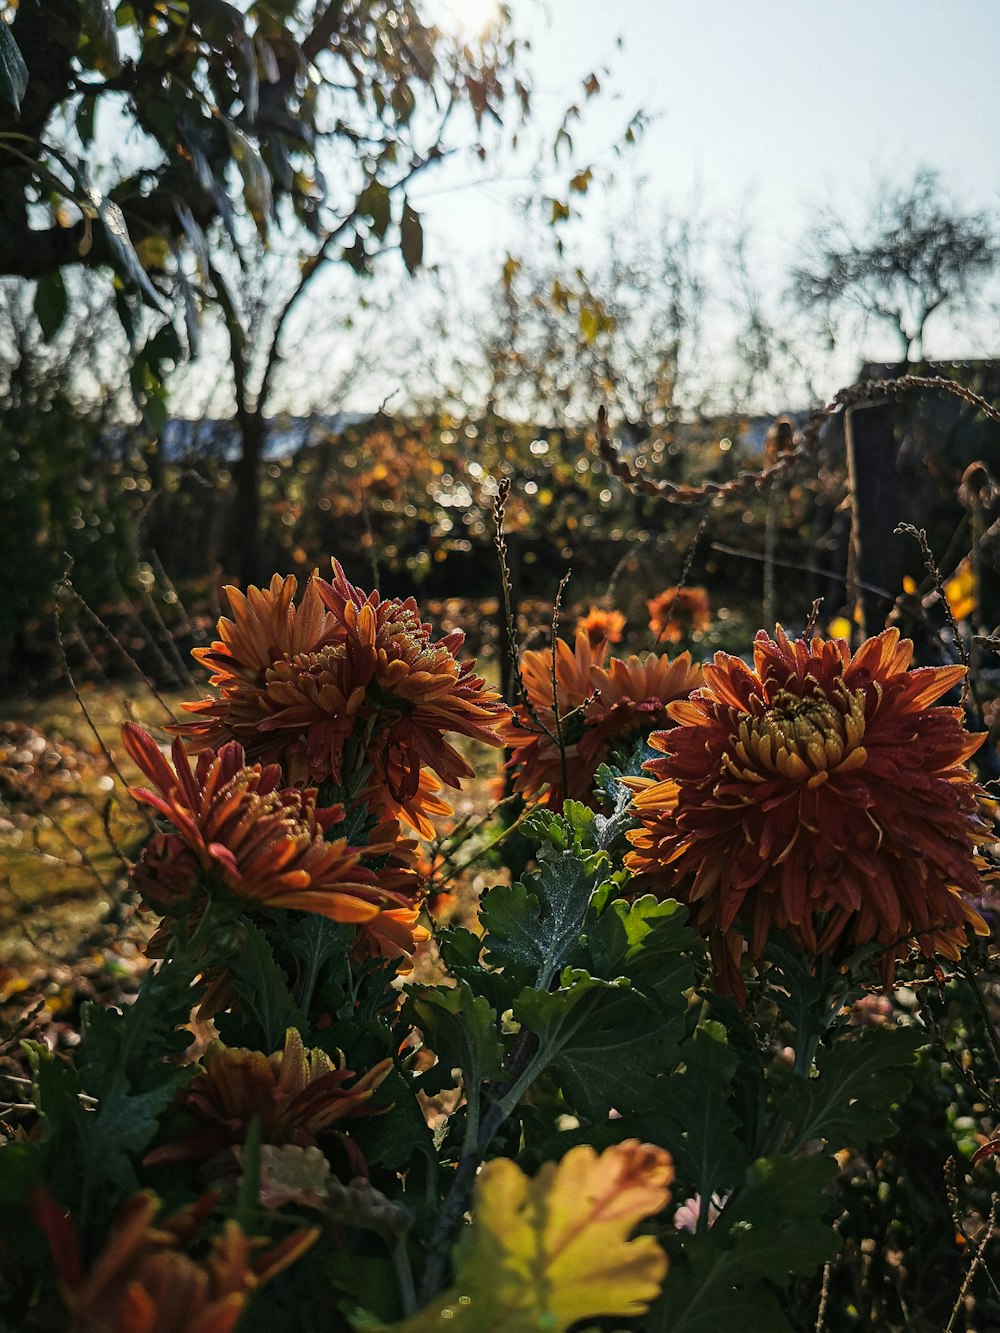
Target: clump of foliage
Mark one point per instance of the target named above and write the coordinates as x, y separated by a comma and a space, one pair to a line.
658, 1080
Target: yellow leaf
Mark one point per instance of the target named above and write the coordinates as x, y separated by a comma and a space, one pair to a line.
153, 252
590, 324
549, 1251
960, 591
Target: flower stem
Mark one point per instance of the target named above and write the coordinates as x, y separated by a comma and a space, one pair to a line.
474, 1149
404, 1275
972, 977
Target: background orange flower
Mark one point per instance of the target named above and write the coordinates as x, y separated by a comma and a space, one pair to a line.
600, 709
599, 625
679, 611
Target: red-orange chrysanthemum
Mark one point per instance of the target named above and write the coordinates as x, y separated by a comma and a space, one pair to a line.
295, 1094
599, 625
351, 679
236, 827
679, 611
600, 710
143, 1281
819, 793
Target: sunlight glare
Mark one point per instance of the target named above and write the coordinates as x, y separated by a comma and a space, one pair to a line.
468, 20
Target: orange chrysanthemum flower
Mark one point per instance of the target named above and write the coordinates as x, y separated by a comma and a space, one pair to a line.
236, 828
632, 697
144, 1282
601, 625
819, 793
600, 709
296, 1094
679, 611
345, 680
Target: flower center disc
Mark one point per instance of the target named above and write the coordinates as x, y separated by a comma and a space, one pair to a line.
804, 737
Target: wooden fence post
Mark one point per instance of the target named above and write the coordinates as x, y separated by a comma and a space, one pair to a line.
876, 509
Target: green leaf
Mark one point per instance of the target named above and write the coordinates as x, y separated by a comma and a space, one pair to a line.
54, 1154
127, 262
705, 1139
264, 994
373, 203
609, 787
256, 181
461, 1029
533, 927
411, 238
101, 32
800, 986
51, 304
314, 940
139, 1039
605, 1043
849, 1100
629, 938
776, 1228
460, 951
13, 70
780, 1220
117, 1133
397, 1140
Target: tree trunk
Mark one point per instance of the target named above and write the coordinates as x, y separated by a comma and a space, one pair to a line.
876, 509
247, 477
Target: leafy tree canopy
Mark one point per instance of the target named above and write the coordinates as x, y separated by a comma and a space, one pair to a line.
277, 114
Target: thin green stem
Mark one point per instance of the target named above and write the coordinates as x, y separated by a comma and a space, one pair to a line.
971, 976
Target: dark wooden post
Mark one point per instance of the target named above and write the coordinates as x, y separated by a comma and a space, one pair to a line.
876, 509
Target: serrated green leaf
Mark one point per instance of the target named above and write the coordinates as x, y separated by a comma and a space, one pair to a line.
265, 997
608, 786
55, 1092
606, 1044
136, 1039
117, 1133
395, 1141
777, 1227
13, 70
314, 941
705, 1138
461, 1029
701, 1302
532, 928
800, 985
630, 937
849, 1100
460, 950
780, 1221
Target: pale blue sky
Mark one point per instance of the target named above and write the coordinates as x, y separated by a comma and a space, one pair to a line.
779, 105
761, 110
